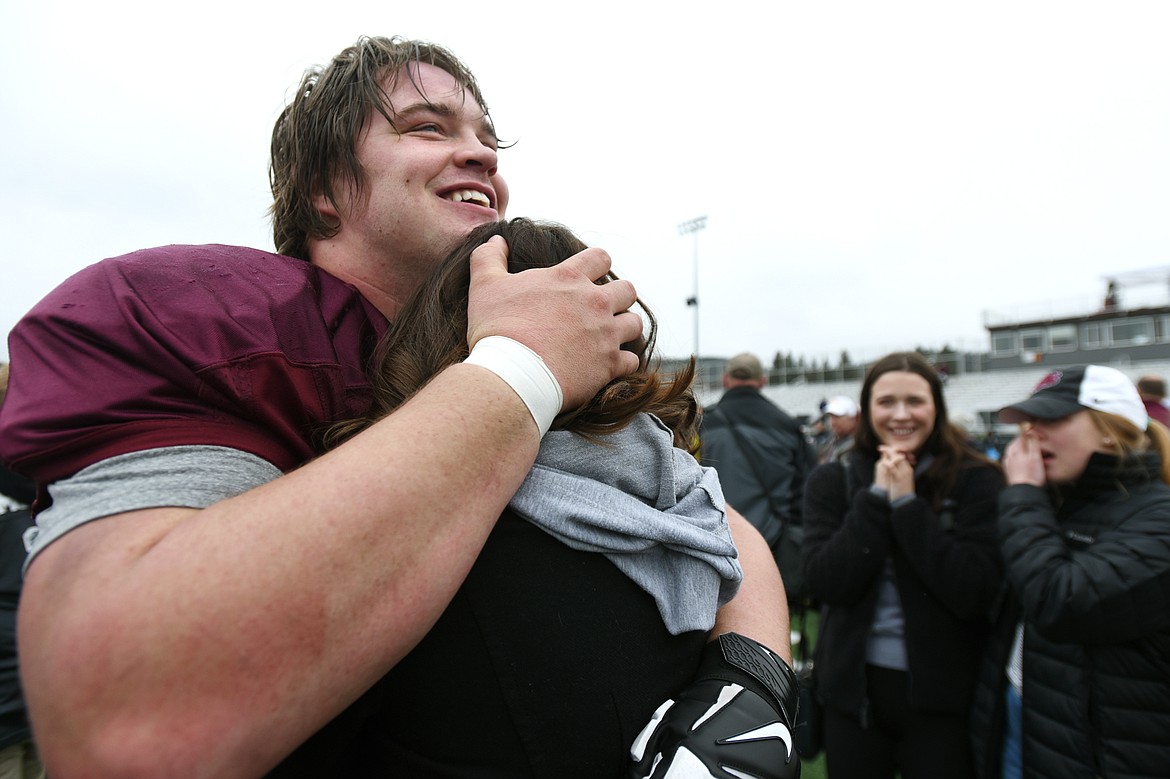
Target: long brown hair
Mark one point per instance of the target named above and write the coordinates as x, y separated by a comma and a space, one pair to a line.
430, 333
946, 442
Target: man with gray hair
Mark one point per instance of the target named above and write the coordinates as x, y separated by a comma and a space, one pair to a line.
763, 459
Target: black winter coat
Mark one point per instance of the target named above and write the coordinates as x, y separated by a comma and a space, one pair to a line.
1093, 585
768, 472
14, 726
947, 571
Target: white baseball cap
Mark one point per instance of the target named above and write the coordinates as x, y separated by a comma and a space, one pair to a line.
1069, 390
841, 406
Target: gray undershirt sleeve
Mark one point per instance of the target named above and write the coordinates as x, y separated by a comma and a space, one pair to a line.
182, 476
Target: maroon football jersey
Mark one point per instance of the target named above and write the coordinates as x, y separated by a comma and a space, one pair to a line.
182, 345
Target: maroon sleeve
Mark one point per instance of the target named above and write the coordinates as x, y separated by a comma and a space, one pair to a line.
211, 345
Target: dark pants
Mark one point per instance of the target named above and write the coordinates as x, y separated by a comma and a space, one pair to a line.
919, 744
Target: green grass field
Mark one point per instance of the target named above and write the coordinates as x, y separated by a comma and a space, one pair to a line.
813, 769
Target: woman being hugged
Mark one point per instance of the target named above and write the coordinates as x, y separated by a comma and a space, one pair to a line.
900, 548
580, 642
1076, 681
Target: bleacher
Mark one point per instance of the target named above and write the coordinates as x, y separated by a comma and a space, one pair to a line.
972, 398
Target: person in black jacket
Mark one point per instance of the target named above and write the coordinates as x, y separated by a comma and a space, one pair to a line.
1076, 682
900, 548
763, 461
18, 753
585, 641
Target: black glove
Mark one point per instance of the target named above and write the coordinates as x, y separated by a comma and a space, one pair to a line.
735, 721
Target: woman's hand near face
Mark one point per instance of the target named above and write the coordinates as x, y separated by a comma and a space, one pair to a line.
1023, 463
894, 472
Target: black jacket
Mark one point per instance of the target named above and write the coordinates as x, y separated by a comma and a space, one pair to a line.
1093, 578
947, 570
14, 726
769, 470
546, 664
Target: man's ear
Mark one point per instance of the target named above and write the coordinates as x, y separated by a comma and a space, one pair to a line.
326, 208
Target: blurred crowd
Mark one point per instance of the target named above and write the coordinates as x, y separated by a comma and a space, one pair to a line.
988, 606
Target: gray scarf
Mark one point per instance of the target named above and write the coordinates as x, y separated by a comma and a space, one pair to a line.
647, 506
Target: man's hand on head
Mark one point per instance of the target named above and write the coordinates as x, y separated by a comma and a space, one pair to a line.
575, 325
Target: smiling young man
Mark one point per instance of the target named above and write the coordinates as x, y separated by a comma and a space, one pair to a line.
205, 590
430, 171
233, 593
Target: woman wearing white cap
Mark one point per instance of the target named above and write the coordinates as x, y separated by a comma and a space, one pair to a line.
1077, 680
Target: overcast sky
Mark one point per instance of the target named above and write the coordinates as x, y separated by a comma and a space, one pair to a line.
875, 175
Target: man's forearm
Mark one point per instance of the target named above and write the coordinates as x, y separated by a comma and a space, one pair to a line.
213, 642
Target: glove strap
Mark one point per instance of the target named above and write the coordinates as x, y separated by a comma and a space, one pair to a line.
736, 658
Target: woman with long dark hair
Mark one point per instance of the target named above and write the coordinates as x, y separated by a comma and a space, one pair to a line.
900, 549
594, 598
1076, 682
430, 333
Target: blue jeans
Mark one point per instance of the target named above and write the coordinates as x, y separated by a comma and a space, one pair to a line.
1012, 733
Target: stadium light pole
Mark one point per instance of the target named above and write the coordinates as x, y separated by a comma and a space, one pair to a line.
693, 226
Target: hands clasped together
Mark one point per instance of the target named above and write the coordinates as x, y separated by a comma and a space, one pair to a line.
894, 471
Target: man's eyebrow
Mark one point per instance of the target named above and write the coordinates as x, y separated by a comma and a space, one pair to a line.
445, 110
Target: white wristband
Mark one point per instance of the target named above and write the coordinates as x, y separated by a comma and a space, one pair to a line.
525, 372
